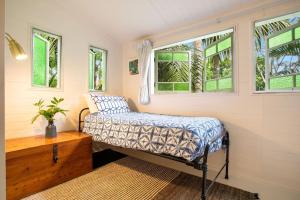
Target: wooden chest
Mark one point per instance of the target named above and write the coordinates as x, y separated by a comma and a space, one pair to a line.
37, 163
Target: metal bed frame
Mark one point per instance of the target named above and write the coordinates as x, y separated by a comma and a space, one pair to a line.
200, 163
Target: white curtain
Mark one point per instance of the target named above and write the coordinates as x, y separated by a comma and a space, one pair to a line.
144, 56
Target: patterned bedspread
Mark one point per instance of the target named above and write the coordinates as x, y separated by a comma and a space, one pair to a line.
178, 136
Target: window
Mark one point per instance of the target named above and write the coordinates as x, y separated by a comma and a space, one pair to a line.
46, 54
173, 71
277, 45
97, 69
203, 64
218, 65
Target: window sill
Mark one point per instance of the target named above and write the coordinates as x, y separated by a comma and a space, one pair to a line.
46, 89
221, 93
97, 91
277, 92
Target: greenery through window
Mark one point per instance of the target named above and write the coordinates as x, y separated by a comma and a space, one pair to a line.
203, 64
46, 54
173, 71
97, 69
277, 45
218, 65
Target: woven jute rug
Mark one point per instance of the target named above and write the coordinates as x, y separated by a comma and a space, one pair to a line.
128, 178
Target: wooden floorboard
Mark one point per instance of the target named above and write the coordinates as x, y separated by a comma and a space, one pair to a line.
188, 187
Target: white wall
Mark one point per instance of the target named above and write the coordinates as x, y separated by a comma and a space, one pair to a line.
264, 128
2, 151
77, 35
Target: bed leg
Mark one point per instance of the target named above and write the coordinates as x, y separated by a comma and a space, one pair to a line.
227, 155
204, 179
204, 173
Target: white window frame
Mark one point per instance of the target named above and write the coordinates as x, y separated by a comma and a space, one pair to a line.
232, 65
59, 49
254, 55
233, 30
156, 74
104, 89
268, 68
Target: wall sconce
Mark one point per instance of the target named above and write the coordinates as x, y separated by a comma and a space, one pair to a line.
15, 48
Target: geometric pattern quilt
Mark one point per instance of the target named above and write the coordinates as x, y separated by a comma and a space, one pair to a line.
179, 136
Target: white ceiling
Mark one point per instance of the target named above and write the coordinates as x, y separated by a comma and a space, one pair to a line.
127, 20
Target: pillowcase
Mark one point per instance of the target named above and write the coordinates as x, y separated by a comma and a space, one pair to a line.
110, 104
91, 104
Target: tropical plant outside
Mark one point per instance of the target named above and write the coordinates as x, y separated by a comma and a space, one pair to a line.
277, 44
283, 58
182, 67
97, 67
46, 59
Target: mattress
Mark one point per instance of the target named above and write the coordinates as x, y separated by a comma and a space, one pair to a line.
179, 136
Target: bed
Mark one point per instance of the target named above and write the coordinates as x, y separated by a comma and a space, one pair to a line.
180, 138
183, 137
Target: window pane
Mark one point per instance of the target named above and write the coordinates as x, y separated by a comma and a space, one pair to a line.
173, 72
165, 56
219, 67
40, 61
97, 69
284, 82
224, 44
195, 64
46, 59
285, 60
184, 57
297, 33
165, 86
173, 75
225, 63
211, 85
277, 59
181, 86
91, 70
210, 51
280, 39
225, 83
211, 69
298, 81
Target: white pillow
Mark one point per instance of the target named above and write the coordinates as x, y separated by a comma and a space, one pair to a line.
91, 104
110, 104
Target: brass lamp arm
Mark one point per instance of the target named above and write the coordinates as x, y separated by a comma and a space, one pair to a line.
15, 48
8, 37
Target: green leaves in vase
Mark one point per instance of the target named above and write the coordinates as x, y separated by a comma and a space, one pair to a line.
48, 111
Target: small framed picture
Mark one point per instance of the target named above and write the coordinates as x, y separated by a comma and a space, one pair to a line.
133, 67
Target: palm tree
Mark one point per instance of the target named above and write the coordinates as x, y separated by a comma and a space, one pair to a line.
197, 67
261, 32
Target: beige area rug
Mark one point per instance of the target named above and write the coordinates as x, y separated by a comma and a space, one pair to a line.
128, 178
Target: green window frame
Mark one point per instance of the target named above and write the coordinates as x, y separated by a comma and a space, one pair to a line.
172, 57
46, 56
97, 69
280, 39
218, 83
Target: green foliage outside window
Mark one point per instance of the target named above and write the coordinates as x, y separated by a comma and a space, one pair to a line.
180, 68
277, 45
97, 69
173, 70
46, 59
218, 65
40, 61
